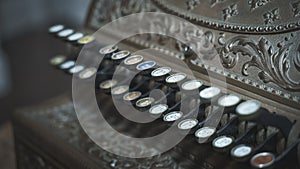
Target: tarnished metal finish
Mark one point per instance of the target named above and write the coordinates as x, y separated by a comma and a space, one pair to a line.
247, 16
105, 11
266, 62
59, 118
257, 41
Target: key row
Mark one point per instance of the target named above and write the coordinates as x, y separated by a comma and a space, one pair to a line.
70, 35
223, 138
247, 109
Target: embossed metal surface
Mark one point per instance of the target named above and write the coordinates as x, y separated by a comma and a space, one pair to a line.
252, 16
257, 41
59, 118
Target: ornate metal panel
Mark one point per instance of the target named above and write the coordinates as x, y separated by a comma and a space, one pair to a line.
256, 40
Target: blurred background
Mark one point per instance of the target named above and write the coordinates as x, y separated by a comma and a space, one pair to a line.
26, 76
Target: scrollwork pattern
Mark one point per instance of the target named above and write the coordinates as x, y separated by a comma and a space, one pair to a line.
297, 60
273, 64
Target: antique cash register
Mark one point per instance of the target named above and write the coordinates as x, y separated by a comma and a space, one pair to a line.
220, 76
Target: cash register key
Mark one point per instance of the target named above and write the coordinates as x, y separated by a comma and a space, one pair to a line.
158, 109
119, 90
76, 36
120, 55
134, 59
187, 124
108, 49
57, 60
132, 96
86, 39
263, 160
161, 71
241, 151
172, 116
248, 108
145, 65
205, 132
175, 78
76, 69
107, 84
87, 73
67, 64
65, 33
229, 100
209, 93
222, 142
191, 85
144, 102
56, 28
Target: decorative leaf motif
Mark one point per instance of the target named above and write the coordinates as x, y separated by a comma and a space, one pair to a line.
264, 77
297, 60
214, 2
257, 3
296, 8
271, 16
274, 65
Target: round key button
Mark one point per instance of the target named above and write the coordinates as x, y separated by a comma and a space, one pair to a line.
175, 78
247, 108
209, 93
161, 71
134, 59
67, 64
144, 102
241, 151
191, 85
107, 84
76, 69
75, 37
158, 109
56, 28
108, 49
187, 124
57, 60
173, 116
120, 55
87, 73
263, 160
65, 33
222, 142
132, 96
205, 132
229, 100
145, 65
86, 39
120, 90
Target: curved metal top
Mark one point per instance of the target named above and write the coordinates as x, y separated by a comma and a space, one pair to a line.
247, 16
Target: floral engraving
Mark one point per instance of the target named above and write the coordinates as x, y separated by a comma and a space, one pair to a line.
297, 60
214, 2
273, 65
271, 16
296, 8
229, 52
230, 11
257, 3
199, 41
191, 4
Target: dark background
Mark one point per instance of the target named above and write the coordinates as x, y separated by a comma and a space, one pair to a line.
26, 77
